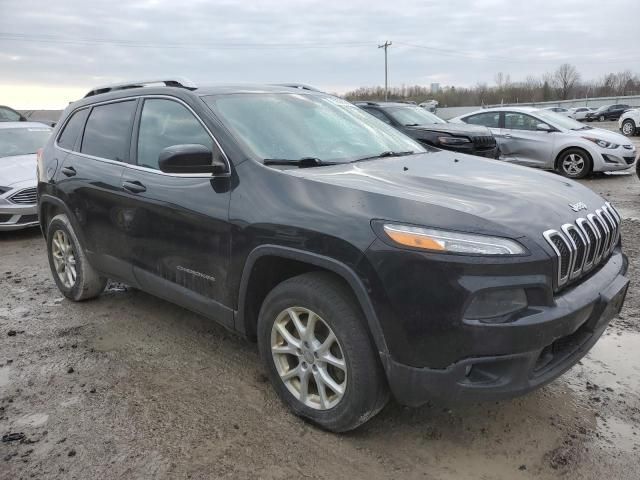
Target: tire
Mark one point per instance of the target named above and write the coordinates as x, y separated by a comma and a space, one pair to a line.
628, 128
574, 163
362, 379
74, 276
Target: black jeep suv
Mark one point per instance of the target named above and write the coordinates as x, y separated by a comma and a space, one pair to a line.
361, 263
429, 129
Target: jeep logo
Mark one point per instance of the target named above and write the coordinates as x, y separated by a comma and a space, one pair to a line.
576, 207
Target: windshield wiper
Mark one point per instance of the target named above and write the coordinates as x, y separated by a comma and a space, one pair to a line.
412, 124
388, 153
304, 162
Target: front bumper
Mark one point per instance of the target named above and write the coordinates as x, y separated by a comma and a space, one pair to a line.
614, 159
17, 217
543, 346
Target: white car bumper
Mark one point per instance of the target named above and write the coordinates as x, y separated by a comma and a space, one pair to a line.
610, 159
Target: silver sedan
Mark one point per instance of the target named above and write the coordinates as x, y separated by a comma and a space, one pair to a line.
19, 142
543, 139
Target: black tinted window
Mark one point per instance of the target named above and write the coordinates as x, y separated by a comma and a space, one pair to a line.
378, 114
489, 119
72, 129
165, 123
108, 129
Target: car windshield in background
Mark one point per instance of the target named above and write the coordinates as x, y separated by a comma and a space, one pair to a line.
291, 126
413, 116
22, 141
562, 121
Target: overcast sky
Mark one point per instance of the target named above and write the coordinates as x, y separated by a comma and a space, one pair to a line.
53, 51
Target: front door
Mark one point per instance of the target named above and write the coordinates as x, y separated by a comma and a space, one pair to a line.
179, 228
527, 145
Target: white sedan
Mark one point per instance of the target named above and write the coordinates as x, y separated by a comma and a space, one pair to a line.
579, 113
543, 139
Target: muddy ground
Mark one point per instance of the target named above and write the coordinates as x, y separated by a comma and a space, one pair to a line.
129, 386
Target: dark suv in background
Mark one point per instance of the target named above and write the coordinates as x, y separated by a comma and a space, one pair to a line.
431, 130
361, 262
607, 112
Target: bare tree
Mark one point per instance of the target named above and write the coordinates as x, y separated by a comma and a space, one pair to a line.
566, 77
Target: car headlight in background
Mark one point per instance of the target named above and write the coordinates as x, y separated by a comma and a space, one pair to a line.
602, 143
488, 304
453, 140
451, 242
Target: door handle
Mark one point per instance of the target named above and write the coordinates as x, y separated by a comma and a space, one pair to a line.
69, 171
134, 186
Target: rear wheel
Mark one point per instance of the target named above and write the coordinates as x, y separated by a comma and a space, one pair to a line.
320, 360
574, 163
74, 276
628, 127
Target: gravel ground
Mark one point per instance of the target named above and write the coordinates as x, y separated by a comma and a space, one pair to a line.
129, 386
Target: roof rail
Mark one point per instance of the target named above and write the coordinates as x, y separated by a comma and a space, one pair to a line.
299, 86
176, 82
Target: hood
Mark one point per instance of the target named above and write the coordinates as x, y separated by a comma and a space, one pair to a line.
602, 134
16, 169
463, 192
453, 128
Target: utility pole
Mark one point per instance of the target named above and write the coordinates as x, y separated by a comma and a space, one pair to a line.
386, 45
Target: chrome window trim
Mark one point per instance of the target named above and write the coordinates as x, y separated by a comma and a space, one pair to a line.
146, 169
576, 270
581, 222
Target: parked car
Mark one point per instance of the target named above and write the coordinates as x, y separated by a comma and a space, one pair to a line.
544, 139
579, 113
629, 122
361, 262
560, 110
8, 114
607, 112
429, 129
19, 142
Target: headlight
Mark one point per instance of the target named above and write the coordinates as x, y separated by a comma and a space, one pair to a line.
451, 242
489, 304
453, 140
602, 143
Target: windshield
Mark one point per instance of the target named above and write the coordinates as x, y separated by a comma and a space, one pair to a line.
294, 126
556, 120
413, 116
22, 141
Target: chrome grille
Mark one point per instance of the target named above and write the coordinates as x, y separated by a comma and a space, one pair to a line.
24, 197
585, 244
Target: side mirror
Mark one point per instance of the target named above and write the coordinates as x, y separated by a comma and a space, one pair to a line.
543, 127
190, 158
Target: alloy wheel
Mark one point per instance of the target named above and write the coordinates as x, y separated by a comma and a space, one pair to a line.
308, 358
64, 258
573, 164
628, 128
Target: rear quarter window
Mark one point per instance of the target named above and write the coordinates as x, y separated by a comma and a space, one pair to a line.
72, 129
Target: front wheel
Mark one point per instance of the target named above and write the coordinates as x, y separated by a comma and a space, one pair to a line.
574, 163
74, 276
320, 360
628, 128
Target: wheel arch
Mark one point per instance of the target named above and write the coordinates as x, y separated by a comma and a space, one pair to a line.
258, 268
49, 207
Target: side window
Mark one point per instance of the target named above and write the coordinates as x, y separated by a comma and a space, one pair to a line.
165, 123
489, 119
520, 121
72, 129
108, 131
378, 114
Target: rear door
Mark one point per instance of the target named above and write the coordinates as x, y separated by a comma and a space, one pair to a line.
179, 227
90, 182
528, 146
